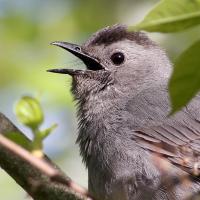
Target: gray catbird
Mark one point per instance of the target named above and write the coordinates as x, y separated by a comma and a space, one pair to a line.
131, 147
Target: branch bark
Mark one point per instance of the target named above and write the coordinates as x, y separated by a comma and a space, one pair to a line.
29, 175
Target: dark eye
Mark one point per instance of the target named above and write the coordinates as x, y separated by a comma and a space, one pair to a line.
117, 58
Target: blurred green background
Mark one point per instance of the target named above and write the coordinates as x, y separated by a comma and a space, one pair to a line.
26, 29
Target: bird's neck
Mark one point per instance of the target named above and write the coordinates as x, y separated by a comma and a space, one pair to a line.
113, 118
96, 118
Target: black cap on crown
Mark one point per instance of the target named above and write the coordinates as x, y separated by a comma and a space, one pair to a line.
116, 33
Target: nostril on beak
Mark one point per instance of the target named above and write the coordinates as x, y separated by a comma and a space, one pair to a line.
77, 48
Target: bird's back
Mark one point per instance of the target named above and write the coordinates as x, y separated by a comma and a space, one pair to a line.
174, 138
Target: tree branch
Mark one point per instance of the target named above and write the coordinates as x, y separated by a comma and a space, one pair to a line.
40, 178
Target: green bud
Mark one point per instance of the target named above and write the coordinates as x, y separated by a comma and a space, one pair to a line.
29, 112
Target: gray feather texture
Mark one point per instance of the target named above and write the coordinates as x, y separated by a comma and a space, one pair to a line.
124, 123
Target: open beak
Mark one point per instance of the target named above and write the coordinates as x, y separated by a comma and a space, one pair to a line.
90, 62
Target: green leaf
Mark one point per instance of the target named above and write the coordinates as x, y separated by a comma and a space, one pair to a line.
43, 134
29, 112
19, 139
171, 16
185, 80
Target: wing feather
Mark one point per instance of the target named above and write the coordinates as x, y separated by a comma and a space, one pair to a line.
176, 137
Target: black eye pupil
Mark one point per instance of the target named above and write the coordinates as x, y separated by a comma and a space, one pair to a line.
117, 58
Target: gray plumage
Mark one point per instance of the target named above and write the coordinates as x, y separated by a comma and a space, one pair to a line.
123, 119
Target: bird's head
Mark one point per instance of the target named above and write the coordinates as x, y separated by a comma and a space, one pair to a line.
116, 60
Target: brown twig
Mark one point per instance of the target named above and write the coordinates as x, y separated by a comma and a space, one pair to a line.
39, 177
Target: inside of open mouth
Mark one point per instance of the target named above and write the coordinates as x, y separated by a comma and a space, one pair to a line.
93, 65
